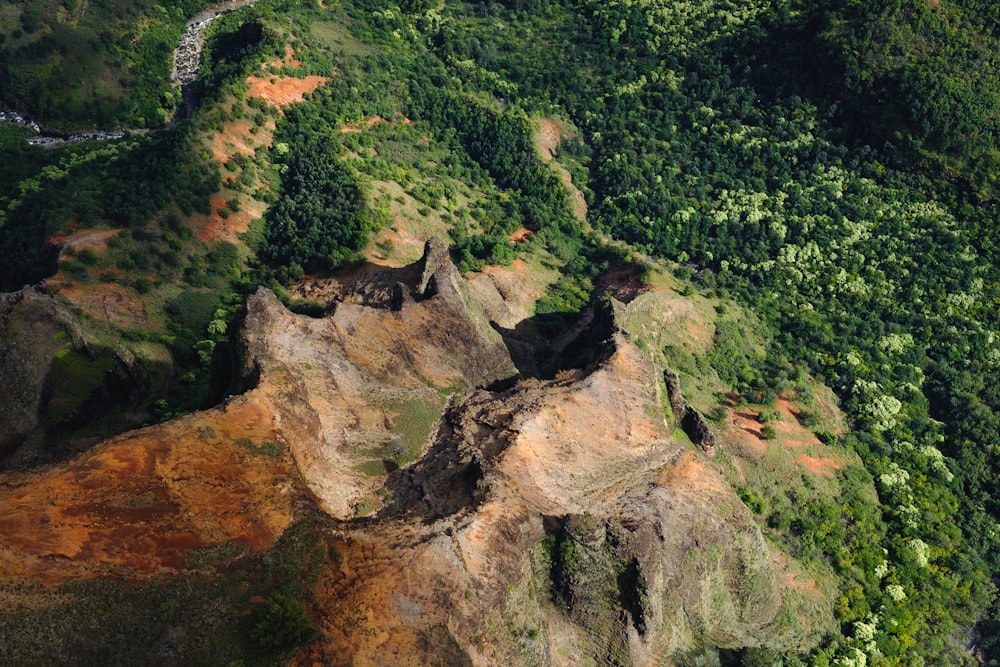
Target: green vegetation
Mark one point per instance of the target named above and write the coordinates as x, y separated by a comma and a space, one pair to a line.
830, 164
72, 63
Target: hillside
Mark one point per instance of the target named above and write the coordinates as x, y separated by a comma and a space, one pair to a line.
76, 63
503, 333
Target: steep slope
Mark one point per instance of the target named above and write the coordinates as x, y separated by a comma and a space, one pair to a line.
537, 530
59, 380
358, 393
561, 521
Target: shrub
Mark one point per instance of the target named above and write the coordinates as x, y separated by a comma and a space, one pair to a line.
280, 622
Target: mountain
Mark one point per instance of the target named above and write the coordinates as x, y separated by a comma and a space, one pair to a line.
502, 333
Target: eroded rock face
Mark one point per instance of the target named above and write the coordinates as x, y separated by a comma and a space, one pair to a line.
55, 377
359, 392
693, 423
554, 523
137, 504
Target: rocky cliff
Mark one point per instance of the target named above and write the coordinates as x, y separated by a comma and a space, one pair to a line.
561, 521
58, 378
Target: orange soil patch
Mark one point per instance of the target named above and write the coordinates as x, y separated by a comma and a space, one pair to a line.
95, 240
362, 595
62, 235
687, 472
548, 136
354, 128
136, 504
213, 228
234, 139
118, 305
547, 139
284, 90
289, 60
521, 235
824, 466
792, 434
749, 429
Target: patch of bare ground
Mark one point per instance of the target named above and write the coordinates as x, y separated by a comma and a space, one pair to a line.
745, 426
745, 435
135, 505
216, 227
361, 126
793, 579
521, 235
235, 138
282, 91
691, 473
94, 240
793, 434
569, 455
118, 305
288, 60
824, 466
547, 138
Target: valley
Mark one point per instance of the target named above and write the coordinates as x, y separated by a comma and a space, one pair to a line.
498, 333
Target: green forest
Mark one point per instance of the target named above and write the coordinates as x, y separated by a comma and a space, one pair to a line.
832, 165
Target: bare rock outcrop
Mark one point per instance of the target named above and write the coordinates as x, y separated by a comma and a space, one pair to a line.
56, 376
360, 392
552, 522
692, 422
557, 522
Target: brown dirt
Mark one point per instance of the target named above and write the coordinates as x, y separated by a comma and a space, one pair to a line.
234, 139
548, 137
281, 91
569, 455
521, 235
689, 472
135, 505
747, 429
791, 434
118, 305
289, 60
95, 240
213, 228
824, 466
